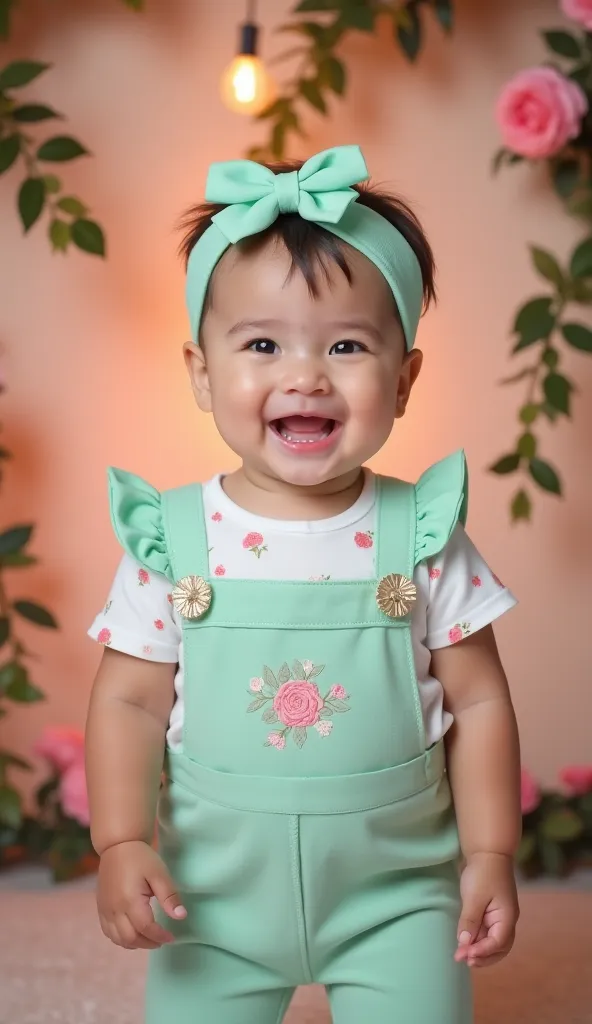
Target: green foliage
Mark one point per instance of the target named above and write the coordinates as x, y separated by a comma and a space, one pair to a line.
557, 835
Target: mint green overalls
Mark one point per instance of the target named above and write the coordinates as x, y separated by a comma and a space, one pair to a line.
309, 832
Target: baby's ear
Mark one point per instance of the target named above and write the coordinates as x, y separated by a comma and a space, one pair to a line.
198, 375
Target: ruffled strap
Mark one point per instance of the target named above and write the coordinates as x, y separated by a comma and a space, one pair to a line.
136, 515
441, 496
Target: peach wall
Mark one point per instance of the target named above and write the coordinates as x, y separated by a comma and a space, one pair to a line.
92, 350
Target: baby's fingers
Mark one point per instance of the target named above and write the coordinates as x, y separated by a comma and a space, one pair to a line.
142, 918
128, 936
499, 940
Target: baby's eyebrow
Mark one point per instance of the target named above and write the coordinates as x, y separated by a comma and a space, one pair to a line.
352, 325
358, 325
250, 325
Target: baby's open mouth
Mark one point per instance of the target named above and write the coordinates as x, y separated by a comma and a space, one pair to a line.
303, 429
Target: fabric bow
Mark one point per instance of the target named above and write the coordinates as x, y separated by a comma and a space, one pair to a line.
256, 196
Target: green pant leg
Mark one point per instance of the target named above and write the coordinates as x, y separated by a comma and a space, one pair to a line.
193, 984
403, 973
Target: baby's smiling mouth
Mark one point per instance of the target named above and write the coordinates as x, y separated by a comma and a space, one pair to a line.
304, 430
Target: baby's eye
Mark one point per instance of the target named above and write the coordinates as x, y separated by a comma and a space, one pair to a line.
346, 348
264, 346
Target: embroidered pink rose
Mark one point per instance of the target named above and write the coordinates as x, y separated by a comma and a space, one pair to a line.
578, 10
298, 702
61, 745
339, 692
477, 581
539, 111
435, 574
219, 571
104, 637
143, 577
577, 778
363, 540
256, 684
459, 632
254, 542
217, 517
275, 739
73, 793
324, 728
158, 624
530, 795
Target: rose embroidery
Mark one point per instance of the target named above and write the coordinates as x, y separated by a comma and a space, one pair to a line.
293, 700
217, 517
104, 637
318, 579
364, 540
143, 578
219, 571
476, 581
435, 574
254, 542
459, 632
158, 624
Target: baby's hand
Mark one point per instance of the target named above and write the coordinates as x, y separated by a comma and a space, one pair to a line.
489, 910
129, 875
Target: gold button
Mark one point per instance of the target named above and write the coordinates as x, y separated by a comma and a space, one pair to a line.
396, 595
192, 596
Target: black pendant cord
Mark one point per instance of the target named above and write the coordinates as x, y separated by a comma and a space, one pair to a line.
249, 31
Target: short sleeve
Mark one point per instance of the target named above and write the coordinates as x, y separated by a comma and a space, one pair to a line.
138, 617
441, 502
136, 515
464, 594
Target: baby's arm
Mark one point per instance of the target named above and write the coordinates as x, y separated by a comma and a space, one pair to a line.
125, 737
484, 768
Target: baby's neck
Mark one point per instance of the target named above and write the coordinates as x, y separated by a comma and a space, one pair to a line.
276, 499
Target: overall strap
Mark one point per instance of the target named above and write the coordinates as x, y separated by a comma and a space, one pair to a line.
396, 526
185, 531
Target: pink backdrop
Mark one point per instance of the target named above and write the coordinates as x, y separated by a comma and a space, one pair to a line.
92, 350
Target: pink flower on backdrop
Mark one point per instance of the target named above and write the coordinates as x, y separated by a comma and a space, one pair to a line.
298, 702
275, 739
539, 111
324, 728
577, 778
530, 794
339, 691
252, 540
363, 540
579, 10
61, 745
73, 793
435, 574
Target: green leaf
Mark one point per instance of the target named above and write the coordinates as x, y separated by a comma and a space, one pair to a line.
14, 680
61, 148
45, 792
578, 336
557, 392
340, 706
20, 72
270, 716
534, 321
332, 74
326, 712
581, 261
35, 613
552, 858
551, 358
445, 14
299, 734
566, 174
581, 205
31, 113
4, 630
521, 506
31, 200
5, 9
357, 16
17, 560
297, 670
562, 825
549, 412
581, 75
59, 235
311, 92
8, 760
14, 539
507, 464
134, 5
527, 445
317, 5
9, 150
527, 371
316, 671
88, 236
563, 43
70, 204
547, 265
269, 679
527, 848
545, 476
256, 704
10, 807
284, 673
529, 413
409, 34
52, 184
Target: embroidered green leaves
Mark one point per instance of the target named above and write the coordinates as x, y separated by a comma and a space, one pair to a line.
294, 700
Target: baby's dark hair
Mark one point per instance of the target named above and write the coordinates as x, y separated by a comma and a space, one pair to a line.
312, 247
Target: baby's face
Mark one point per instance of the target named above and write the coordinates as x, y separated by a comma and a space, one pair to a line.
303, 389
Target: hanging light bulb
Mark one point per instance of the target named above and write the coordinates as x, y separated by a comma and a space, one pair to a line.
246, 86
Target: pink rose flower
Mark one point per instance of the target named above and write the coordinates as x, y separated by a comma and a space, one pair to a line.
275, 739
298, 702
579, 10
252, 540
73, 793
455, 634
339, 691
158, 624
530, 794
577, 778
539, 111
476, 581
435, 574
104, 637
363, 540
61, 745
143, 577
256, 684
324, 728
217, 517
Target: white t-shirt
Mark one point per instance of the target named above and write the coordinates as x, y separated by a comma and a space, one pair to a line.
457, 592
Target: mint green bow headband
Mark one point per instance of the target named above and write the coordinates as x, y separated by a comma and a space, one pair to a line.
320, 192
